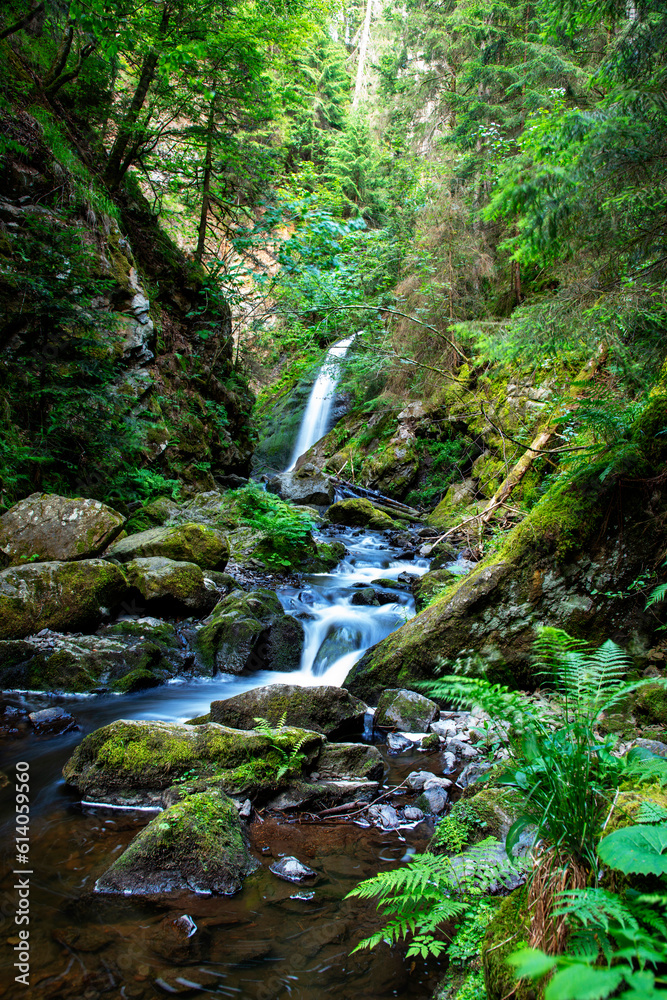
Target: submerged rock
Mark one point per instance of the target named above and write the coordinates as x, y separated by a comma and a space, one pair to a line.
398, 744
196, 845
249, 631
359, 513
56, 528
324, 709
52, 720
195, 543
58, 595
292, 870
405, 710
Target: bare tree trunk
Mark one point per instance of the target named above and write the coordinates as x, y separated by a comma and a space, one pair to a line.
363, 46
206, 186
22, 22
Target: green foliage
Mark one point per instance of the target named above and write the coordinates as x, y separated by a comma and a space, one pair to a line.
469, 935
428, 891
288, 528
636, 849
287, 749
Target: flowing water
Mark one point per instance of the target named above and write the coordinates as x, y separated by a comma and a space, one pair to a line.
315, 421
264, 943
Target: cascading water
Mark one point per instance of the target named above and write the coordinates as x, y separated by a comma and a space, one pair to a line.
315, 422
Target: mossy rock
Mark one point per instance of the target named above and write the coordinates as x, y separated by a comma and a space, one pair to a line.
650, 707
155, 514
350, 760
249, 631
135, 762
507, 932
197, 845
432, 585
207, 547
406, 710
329, 554
52, 527
58, 595
167, 586
323, 708
359, 513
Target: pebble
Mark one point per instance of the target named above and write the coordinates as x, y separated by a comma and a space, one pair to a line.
291, 870
413, 814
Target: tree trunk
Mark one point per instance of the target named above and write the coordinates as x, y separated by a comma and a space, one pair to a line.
206, 187
363, 46
117, 163
22, 22
52, 89
62, 55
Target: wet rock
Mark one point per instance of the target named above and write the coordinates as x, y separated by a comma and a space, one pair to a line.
171, 587
449, 762
52, 720
307, 485
430, 742
446, 728
471, 772
405, 710
174, 939
408, 579
89, 939
413, 814
55, 528
435, 782
195, 543
417, 779
136, 762
366, 597
340, 641
58, 595
292, 870
197, 845
432, 800
384, 816
350, 760
359, 513
397, 743
13, 722
323, 709
461, 749
249, 631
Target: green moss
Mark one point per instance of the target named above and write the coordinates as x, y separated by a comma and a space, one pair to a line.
650, 706
359, 513
136, 680
507, 932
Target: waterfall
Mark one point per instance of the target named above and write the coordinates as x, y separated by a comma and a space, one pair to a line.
315, 421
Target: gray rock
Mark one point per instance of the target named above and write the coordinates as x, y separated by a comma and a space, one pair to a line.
448, 762
307, 485
367, 596
435, 782
413, 814
397, 743
461, 749
52, 720
384, 816
292, 870
56, 528
417, 779
323, 709
471, 772
406, 710
445, 728
433, 800
655, 746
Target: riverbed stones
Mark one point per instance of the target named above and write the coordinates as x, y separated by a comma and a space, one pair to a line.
47, 528
307, 485
406, 710
167, 586
384, 816
58, 595
52, 720
292, 870
359, 513
196, 845
324, 709
249, 631
195, 543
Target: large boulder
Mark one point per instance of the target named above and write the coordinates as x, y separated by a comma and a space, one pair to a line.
307, 485
324, 709
58, 595
137, 762
51, 528
249, 631
406, 710
359, 513
169, 586
197, 845
195, 543
84, 663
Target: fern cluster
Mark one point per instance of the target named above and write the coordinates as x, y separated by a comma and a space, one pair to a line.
283, 745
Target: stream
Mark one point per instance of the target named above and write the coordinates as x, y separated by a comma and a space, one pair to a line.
267, 942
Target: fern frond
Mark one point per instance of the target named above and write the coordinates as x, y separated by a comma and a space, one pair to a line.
497, 700
657, 594
595, 908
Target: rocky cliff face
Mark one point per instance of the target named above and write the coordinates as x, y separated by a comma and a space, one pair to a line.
116, 354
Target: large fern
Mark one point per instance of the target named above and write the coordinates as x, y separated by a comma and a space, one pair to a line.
430, 890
